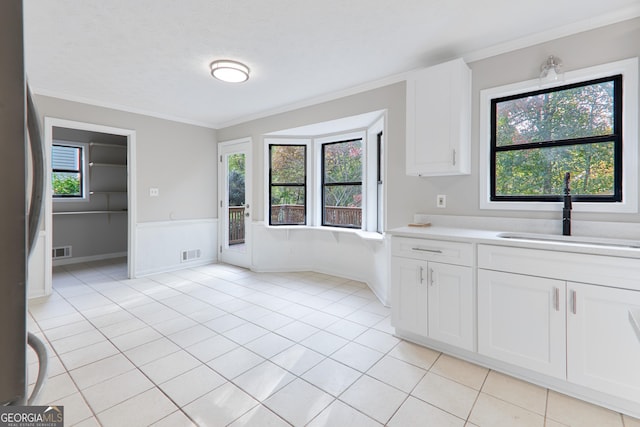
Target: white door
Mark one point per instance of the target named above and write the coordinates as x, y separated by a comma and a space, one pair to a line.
521, 320
451, 302
603, 339
409, 295
235, 202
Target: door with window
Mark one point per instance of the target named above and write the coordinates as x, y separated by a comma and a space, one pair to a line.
234, 204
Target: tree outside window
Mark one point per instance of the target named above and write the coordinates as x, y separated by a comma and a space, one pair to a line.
539, 136
342, 184
287, 184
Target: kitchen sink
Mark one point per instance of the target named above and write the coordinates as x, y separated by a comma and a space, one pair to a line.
572, 240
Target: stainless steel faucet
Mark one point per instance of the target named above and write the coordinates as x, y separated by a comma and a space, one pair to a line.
566, 210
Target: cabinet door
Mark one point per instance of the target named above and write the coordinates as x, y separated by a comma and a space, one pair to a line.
451, 314
521, 320
438, 120
603, 339
409, 295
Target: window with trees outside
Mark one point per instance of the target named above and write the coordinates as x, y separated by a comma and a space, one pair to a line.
538, 136
342, 184
67, 175
288, 184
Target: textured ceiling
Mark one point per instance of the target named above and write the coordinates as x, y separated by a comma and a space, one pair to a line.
152, 56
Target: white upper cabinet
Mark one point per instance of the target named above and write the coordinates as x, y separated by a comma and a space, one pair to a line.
439, 120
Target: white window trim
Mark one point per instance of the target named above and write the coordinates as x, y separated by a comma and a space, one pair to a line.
629, 70
314, 179
372, 203
86, 172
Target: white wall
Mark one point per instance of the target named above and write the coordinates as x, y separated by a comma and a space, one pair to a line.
340, 253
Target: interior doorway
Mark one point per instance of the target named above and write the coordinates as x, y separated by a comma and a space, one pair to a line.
235, 196
90, 194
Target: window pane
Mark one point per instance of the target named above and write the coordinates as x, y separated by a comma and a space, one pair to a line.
236, 171
288, 164
564, 114
288, 205
540, 171
343, 205
67, 158
343, 161
66, 184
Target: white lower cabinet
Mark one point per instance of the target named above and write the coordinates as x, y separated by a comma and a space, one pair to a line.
434, 300
408, 295
603, 339
572, 317
586, 334
521, 321
451, 304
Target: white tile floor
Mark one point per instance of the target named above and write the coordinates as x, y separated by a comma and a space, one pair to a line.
219, 345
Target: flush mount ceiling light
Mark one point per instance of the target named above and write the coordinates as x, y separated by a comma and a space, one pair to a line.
550, 70
229, 71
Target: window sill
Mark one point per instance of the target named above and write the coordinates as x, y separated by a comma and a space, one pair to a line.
370, 236
624, 207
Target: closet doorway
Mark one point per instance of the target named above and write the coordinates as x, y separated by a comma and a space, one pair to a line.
89, 201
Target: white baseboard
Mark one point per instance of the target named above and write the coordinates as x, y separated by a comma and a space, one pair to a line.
78, 260
182, 266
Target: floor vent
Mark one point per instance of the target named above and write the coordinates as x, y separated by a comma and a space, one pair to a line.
62, 252
190, 255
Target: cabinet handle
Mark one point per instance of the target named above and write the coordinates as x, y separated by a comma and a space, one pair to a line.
573, 302
421, 274
434, 251
634, 324
454, 157
556, 298
431, 276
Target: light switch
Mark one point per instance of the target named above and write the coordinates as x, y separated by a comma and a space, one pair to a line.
154, 192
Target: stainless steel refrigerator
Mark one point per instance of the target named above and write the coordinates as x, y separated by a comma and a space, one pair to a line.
13, 205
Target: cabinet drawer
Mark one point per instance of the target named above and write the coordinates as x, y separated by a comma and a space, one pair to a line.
433, 250
586, 268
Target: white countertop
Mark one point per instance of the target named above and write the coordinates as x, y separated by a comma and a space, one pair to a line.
576, 244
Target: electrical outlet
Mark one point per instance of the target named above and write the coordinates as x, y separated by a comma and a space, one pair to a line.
441, 201
154, 192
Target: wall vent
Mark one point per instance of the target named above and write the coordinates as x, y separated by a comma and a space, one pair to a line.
190, 255
61, 252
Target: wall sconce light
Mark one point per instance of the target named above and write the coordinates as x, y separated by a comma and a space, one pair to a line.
229, 71
550, 70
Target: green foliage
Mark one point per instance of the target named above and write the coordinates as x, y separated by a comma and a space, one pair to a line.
66, 184
554, 116
288, 166
236, 171
281, 195
343, 164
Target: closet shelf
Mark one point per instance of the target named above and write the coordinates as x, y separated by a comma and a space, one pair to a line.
90, 212
102, 144
108, 192
110, 165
